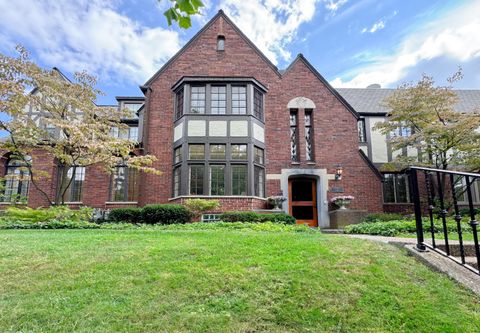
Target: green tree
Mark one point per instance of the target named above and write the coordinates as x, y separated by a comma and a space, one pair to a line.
423, 116
181, 12
82, 129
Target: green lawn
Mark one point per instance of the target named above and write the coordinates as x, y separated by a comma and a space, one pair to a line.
220, 281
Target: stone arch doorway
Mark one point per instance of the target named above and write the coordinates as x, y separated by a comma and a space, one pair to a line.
303, 198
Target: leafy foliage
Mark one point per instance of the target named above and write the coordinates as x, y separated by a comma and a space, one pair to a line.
382, 217
422, 116
181, 11
73, 129
199, 206
393, 228
165, 214
58, 213
131, 215
256, 217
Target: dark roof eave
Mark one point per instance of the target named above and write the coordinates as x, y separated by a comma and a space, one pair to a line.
370, 164
218, 79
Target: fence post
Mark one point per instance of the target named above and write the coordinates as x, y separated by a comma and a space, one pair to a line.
418, 209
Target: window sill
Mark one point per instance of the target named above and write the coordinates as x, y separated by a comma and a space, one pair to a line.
217, 197
311, 163
73, 202
121, 202
295, 163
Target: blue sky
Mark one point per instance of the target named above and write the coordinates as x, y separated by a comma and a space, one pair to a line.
352, 43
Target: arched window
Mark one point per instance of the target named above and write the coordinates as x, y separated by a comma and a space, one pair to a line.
17, 180
220, 43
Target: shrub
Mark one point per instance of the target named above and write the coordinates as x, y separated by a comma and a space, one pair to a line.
257, 218
60, 213
393, 228
199, 206
131, 215
50, 224
466, 211
382, 217
165, 214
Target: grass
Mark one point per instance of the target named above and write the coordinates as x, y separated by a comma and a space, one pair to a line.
220, 281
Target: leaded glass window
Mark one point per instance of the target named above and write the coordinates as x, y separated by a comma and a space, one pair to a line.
309, 135
196, 152
239, 100
124, 185
17, 181
259, 156
257, 104
217, 180
239, 152
197, 99
196, 179
294, 136
177, 155
217, 152
259, 183
239, 180
179, 104
219, 99
75, 185
362, 135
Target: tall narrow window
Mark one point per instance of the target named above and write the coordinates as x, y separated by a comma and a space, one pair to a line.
220, 43
217, 180
257, 104
75, 187
124, 185
179, 104
219, 99
362, 135
17, 181
196, 179
176, 181
309, 135
294, 136
239, 180
259, 156
197, 99
177, 155
239, 100
259, 183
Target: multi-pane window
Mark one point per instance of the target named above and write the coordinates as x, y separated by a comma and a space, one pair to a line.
239, 152
259, 182
294, 136
362, 134
75, 184
219, 99
309, 135
259, 155
179, 104
196, 152
217, 152
129, 133
197, 99
217, 180
401, 131
239, 100
196, 179
124, 186
257, 104
461, 190
176, 181
17, 181
239, 180
395, 188
177, 155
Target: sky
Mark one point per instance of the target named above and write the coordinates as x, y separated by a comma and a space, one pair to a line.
352, 43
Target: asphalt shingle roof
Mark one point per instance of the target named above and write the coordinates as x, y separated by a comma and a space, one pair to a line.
370, 100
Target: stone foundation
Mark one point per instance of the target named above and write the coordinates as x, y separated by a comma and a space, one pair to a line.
342, 217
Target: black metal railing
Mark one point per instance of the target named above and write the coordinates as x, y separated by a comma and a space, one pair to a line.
435, 194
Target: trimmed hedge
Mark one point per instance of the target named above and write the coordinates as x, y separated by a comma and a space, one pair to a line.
131, 215
257, 218
165, 214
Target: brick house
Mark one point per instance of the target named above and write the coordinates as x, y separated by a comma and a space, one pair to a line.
225, 123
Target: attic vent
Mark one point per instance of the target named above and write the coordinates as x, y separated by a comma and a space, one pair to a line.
220, 43
374, 86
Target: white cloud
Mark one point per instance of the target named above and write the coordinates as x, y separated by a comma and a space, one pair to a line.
454, 37
379, 25
87, 34
333, 5
270, 24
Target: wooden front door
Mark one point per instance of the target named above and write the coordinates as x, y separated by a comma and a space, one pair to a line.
302, 200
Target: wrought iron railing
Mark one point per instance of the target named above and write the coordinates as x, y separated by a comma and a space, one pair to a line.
435, 194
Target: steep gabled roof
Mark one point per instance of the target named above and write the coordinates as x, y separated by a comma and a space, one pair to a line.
334, 92
197, 35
